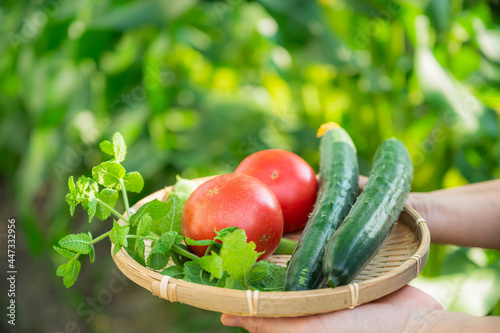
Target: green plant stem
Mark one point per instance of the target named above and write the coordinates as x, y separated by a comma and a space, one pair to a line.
175, 248
112, 210
104, 235
176, 260
125, 197
185, 253
144, 237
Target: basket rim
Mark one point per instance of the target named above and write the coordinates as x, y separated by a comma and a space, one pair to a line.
150, 279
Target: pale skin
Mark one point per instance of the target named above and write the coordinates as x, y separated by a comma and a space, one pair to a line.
473, 212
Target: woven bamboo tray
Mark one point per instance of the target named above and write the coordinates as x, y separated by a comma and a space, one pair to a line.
400, 260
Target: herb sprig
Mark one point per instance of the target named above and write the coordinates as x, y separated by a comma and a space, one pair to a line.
229, 262
158, 221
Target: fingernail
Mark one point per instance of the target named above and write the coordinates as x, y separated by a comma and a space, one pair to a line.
231, 321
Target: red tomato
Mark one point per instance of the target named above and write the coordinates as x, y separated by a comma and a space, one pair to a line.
234, 200
292, 180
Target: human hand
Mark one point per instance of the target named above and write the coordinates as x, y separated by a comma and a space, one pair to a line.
417, 201
406, 310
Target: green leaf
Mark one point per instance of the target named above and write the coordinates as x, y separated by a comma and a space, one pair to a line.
92, 255
194, 273
72, 202
108, 174
159, 255
119, 147
213, 264
86, 186
275, 279
60, 270
229, 282
183, 188
69, 271
201, 242
144, 225
208, 242
64, 252
107, 147
172, 219
118, 236
157, 209
139, 249
166, 215
175, 272
91, 206
71, 197
133, 182
259, 272
238, 256
79, 243
224, 232
71, 185
109, 197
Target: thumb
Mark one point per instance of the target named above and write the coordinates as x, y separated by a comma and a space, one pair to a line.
231, 321
257, 324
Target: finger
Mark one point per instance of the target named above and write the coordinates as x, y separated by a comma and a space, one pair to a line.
362, 180
228, 320
263, 325
362, 183
411, 297
248, 323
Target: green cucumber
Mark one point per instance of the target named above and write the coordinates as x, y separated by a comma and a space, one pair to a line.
338, 186
372, 217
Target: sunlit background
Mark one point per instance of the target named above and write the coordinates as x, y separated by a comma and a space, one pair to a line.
195, 86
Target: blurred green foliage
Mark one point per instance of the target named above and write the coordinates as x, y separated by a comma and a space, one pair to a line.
195, 86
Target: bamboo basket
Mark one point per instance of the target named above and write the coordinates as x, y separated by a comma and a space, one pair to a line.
400, 260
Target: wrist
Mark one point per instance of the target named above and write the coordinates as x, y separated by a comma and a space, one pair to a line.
428, 206
440, 321
420, 202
